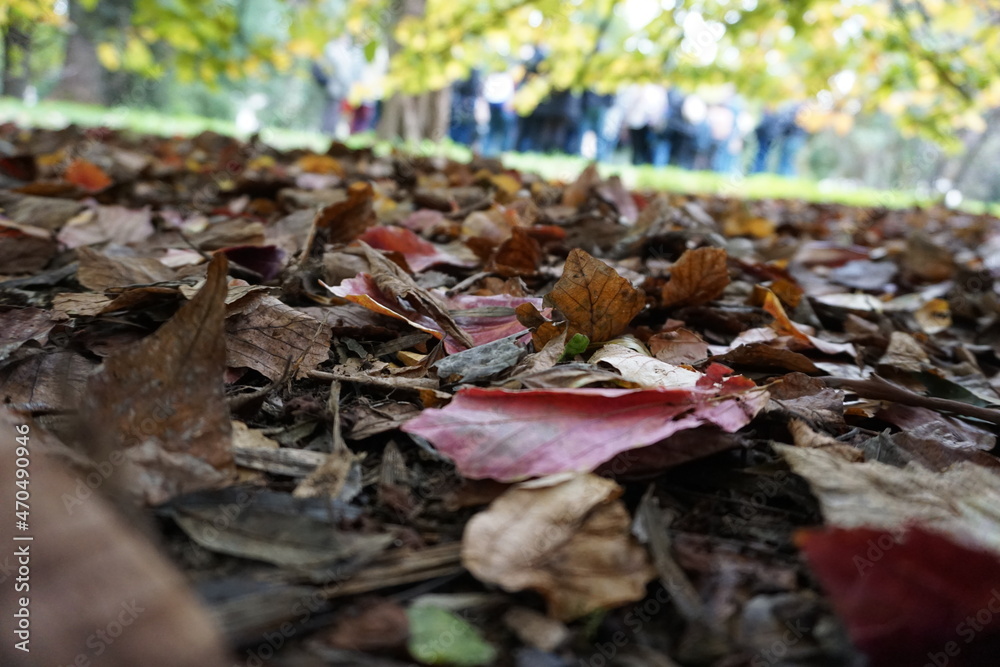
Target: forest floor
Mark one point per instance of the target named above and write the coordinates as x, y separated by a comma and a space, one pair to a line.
352, 408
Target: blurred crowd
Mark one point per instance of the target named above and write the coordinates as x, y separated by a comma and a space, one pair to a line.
649, 124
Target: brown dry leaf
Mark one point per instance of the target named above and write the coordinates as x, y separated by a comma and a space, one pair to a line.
699, 276
596, 301
519, 255
46, 212
99, 272
162, 401
678, 347
571, 542
272, 338
342, 221
20, 325
577, 192
88, 304
228, 233
962, 502
45, 381
764, 356
25, 249
904, 353
115, 224
925, 260
89, 568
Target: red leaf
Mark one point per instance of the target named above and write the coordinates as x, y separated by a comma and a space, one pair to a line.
922, 599
419, 253
510, 435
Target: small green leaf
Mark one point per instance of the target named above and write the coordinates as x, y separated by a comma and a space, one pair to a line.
439, 637
370, 49
576, 345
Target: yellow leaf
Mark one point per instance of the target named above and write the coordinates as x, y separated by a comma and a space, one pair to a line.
108, 55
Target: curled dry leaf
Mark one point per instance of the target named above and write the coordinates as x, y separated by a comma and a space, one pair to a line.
161, 402
391, 291
699, 276
342, 221
596, 301
570, 542
512, 435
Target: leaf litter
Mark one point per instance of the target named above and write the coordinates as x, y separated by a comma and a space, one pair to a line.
555, 422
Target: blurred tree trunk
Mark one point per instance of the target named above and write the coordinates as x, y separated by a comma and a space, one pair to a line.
83, 78
16, 57
973, 149
413, 117
957, 168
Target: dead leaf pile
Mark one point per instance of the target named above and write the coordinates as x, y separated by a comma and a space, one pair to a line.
365, 401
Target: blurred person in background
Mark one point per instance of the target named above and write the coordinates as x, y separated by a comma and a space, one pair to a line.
793, 137
463, 127
685, 126
643, 108
592, 127
498, 90
725, 138
368, 91
336, 71
768, 131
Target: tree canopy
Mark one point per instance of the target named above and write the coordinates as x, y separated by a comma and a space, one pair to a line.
933, 64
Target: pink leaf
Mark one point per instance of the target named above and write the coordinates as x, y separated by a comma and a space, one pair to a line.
511, 435
486, 318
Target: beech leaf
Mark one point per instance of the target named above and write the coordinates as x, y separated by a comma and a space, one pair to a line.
699, 276
596, 301
571, 542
